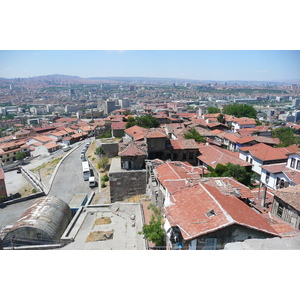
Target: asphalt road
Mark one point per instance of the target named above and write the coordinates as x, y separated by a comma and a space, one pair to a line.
68, 180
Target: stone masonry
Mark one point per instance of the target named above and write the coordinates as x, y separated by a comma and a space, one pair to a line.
125, 183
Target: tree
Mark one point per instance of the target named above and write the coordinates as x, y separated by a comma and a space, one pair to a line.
99, 151
240, 110
130, 122
194, 134
213, 110
103, 163
147, 121
230, 170
20, 155
221, 118
286, 136
154, 231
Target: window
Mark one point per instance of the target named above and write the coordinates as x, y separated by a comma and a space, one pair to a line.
210, 244
298, 165
293, 163
277, 182
267, 177
183, 156
191, 156
279, 210
251, 160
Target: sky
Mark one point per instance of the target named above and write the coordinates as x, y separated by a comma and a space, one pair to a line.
187, 64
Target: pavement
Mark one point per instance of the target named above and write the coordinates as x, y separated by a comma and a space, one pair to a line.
120, 228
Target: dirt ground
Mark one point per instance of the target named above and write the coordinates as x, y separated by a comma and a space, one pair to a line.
45, 170
95, 159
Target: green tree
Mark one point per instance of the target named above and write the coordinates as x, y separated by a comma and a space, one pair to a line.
221, 118
20, 155
154, 231
213, 110
194, 134
99, 151
130, 122
147, 121
230, 170
240, 110
286, 136
103, 163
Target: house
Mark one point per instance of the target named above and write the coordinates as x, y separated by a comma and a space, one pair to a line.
184, 150
133, 155
245, 142
23, 133
241, 123
156, 139
9, 151
39, 139
135, 133
57, 135
286, 205
118, 128
51, 147
211, 155
262, 154
229, 141
200, 217
277, 176
78, 137
162, 175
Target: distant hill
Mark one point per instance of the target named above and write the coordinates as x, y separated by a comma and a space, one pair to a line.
76, 79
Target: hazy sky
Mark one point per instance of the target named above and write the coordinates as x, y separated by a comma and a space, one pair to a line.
187, 64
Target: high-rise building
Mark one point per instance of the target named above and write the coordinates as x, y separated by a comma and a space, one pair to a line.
110, 105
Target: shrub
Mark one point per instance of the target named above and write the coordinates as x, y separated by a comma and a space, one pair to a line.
105, 178
103, 185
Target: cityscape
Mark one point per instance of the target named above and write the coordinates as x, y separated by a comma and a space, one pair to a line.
158, 160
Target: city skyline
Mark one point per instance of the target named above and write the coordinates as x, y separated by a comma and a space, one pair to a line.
218, 65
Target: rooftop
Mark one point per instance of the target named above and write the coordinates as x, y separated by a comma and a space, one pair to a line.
107, 227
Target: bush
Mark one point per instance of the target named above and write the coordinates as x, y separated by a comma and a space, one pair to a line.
103, 163
105, 178
103, 185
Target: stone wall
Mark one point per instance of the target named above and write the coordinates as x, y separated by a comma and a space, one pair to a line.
110, 149
125, 183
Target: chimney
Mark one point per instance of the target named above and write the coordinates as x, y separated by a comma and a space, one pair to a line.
263, 199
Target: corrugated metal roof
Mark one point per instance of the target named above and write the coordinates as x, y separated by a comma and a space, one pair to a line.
47, 214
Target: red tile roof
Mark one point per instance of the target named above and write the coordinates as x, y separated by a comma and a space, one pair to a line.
212, 155
245, 120
245, 140
190, 205
290, 195
184, 144
136, 132
118, 125
264, 152
233, 137
174, 170
133, 149
156, 133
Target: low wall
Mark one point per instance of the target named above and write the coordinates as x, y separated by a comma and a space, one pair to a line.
32, 196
